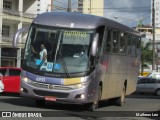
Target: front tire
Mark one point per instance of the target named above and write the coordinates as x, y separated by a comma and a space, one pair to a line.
157, 92
93, 106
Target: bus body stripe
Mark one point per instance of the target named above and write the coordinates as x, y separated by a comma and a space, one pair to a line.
55, 81
69, 81
48, 80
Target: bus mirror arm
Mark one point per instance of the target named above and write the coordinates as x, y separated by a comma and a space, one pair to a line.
16, 36
92, 63
94, 45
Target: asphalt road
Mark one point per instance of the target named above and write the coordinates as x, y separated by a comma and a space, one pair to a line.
134, 105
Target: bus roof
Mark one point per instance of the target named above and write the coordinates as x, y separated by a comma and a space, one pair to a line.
78, 20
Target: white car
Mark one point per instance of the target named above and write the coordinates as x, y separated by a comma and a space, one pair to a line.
154, 75
1, 86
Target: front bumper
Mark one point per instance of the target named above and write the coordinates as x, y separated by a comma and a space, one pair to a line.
62, 96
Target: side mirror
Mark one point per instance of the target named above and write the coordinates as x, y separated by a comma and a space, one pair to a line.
16, 36
94, 45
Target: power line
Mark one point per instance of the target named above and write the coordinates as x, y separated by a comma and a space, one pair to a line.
110, 9
142, 16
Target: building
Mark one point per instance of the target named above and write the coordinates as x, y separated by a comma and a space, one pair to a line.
157, 12
147, 34
15, 14
94, 7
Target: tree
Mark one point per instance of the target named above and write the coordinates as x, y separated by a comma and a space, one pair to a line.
146, 55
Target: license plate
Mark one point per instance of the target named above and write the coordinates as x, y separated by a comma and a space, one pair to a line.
50, 98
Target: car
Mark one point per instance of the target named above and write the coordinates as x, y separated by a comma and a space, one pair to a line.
10, 77
149, 84
1, 87
154, 75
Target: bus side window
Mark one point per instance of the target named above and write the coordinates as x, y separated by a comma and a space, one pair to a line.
100, 30
138, 46
129, 43
115, 42
133, 46
107, 43
122, 44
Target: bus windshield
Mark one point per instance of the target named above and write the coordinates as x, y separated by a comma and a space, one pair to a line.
58, 50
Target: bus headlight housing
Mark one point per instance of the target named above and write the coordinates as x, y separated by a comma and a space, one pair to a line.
79, 85
26, 80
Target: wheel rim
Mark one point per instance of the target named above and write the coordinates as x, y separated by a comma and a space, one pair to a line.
123, 94
96, 102
158, 92
122, 97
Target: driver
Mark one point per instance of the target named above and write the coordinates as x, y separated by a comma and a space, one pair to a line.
43, 53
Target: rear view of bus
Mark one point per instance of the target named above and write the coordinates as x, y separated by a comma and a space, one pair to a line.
72, 68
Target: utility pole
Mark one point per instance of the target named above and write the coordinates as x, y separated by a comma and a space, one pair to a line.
90, 7
153, 25
52, 5
69, 6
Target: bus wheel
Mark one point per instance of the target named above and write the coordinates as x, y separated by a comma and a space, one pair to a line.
158, 92
39, 102
93, 106
120, 100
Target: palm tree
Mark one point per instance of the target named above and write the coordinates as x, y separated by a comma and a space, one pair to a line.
146, 55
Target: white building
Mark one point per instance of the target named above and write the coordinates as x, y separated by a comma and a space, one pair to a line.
157, 12
15, 14
94, 7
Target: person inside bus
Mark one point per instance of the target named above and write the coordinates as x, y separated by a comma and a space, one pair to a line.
42, 53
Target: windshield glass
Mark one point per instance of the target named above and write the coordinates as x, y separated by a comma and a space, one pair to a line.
58, 50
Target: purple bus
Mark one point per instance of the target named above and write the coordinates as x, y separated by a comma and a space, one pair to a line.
76, 58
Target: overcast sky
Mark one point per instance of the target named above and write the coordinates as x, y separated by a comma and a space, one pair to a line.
129, 9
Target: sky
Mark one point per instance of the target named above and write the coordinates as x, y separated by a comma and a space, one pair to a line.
128, 11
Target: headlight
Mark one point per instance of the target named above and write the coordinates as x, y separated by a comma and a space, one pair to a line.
25, 79
78, 86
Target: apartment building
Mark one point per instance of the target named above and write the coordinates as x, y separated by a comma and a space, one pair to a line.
147, 33
15, 14
94, 7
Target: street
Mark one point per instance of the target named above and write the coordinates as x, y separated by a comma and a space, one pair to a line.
133, 104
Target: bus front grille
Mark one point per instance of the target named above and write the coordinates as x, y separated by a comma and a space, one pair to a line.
55, 94
39, 85
46, 86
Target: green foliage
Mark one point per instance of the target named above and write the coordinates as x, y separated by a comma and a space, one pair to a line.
146, 55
